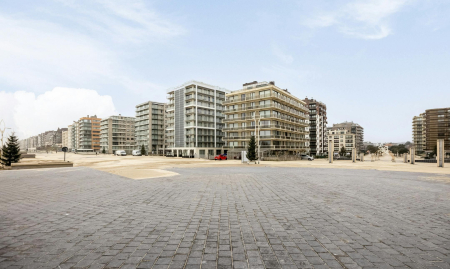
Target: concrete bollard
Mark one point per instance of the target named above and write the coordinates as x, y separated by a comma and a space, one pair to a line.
354, 155
440, 153
412, 152
361, 157
330, 151
405, 157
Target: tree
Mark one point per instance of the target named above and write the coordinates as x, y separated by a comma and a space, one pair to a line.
104, 151
11, 151
143, 150
372, 149
251, 150
342, 151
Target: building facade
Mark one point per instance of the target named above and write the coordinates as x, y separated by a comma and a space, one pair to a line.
87, 133
117, 133
195, 119
352, 128
437, 123
65, 139
274, 116
342, 138
419, 133
318, 144
150, 127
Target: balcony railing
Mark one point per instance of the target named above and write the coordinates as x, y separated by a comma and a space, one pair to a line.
247, 108
269, 126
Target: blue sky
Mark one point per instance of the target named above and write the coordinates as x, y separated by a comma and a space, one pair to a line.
374, 62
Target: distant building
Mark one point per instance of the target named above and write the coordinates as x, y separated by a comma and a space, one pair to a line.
117, 133
351, 128
318, 142
419, 133
342, 138
65, 139
149, 127
195, 119
86, 134
437, 122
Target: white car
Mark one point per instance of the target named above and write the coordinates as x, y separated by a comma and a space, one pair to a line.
307, 157
120, 153
136, 152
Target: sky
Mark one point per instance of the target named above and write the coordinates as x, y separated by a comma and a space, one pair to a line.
374, 62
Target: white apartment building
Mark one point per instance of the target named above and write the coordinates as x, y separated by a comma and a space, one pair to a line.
195, 120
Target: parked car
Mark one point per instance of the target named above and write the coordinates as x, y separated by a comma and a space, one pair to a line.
136, 152
220, 157
307, 157
120, 153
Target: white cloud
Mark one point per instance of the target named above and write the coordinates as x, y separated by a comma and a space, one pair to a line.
28, 114
281, 55
367, 19
84, 42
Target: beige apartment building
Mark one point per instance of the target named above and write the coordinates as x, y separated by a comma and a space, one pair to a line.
352, 128
342, 138
276, 118
149, 127
419, 134
117, 133
65, 138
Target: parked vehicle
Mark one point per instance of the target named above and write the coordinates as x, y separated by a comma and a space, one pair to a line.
220, 157
307, 157
136, 152
120, 153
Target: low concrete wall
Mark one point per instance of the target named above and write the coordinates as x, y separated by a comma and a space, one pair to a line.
25, 155
18, 166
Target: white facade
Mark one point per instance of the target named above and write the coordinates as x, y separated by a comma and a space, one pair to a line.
195, 119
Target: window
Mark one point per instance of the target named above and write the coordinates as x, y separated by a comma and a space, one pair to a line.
264, 133
264, 122
265, 93
265, 143
264, 114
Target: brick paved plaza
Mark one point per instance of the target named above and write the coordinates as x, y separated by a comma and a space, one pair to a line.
244, 217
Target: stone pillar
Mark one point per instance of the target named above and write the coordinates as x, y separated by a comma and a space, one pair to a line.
405, 157
354, 155
330, 151
440, 153
361, 157
412, 152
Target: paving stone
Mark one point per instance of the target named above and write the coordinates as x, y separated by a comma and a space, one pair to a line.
245, 217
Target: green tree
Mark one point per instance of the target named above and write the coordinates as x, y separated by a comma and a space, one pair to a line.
251, 150
104, 150
372, 149
11, 151
143, 150
342, 151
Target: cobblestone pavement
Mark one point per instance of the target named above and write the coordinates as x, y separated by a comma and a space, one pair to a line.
245, 217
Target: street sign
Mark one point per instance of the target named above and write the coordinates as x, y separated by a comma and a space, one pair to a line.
65, 149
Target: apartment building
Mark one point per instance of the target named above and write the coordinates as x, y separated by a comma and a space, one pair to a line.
86, 134
419, 133
352, 128
342, 138
150, 127
117, 133
276, 118
318, 144
65, 139
437, 126
195, 119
